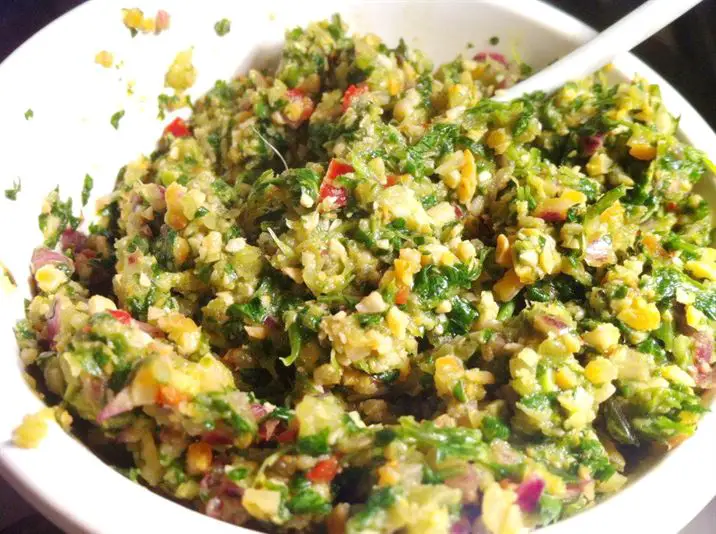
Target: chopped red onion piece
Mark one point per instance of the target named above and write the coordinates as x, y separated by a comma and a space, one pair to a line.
217, 437
271, 322
461, 527
259, 411
268, 428
575, 489
161, 21
550, 323
53, 322
121, 403
703, 352
592, 143
551, 216
73, 239
496, 56
598, 252
529, 493
704, 348
42, 256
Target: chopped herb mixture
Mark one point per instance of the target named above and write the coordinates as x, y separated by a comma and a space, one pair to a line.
357, 294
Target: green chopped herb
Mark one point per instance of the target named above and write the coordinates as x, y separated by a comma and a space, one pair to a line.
459, 392
314, 445
494, 428
11, 194
116, 118
222, 27
87, 189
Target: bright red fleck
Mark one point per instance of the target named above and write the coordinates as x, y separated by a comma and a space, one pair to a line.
217, 437
287, 436
391, 180
529, 493
121, 315
336, 169
338, 194
353, 92
296, 95
551, 216
328, 190
73, 239
324, 471
496, 56
161, 21
177, 128
401, 297
169, 396
672, 206
591, 143
458, 212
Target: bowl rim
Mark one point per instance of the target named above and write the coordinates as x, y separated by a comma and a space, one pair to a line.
14, 464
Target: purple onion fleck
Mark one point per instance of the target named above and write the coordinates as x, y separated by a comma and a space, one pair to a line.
529, 493
592, 143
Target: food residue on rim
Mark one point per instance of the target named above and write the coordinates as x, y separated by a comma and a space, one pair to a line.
169, 103
87, 186
114, 120
11, 193
222, 27
7, 280
180, 76
104, 58
136, 22
33, 429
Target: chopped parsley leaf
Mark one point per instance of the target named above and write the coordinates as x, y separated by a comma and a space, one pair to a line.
11, 194
116, 118
222, 27
87, 189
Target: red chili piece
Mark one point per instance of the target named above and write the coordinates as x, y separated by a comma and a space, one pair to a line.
296, 95
121, 315
177, 128
353, 92
328, 190
324, 471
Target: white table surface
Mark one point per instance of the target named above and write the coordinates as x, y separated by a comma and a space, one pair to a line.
13, 509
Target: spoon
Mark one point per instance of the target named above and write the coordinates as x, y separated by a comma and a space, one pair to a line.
620, 37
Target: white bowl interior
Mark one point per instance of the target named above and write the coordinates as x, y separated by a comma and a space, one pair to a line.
70, 135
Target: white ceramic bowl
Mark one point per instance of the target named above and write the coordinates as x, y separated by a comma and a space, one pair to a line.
70, 135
